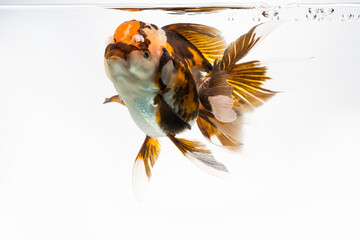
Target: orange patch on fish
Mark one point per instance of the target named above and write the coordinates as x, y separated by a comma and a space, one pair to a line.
197, 58
126, 30
170, 49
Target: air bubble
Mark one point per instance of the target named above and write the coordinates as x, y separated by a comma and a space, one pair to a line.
328, 11
346, 17
314, 10
311, 16
231, 17
319, 13
272, 13
256, 19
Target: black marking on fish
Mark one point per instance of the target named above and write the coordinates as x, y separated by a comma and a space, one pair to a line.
142, 33
119, 49
142, 24
165, 57
168, 120
154, 26
162, 86
144, 45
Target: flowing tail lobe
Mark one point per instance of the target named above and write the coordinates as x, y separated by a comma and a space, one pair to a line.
232, 89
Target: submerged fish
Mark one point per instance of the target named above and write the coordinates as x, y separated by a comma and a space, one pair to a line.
171, 77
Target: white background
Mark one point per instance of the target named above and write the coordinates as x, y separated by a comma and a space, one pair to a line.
66, 159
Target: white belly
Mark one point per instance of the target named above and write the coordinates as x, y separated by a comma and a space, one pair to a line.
143, 113
138, 95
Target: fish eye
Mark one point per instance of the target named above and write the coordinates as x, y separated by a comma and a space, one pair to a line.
146, 54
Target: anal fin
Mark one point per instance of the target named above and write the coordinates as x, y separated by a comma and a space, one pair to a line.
200, 156
144, 161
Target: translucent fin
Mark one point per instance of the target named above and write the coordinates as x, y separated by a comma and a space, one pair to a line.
206, 39
115, 98
144, 161
200, 156
222, 108
139, 179
242, 46
214, 135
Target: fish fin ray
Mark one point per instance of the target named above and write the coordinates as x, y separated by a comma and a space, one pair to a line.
242, 46
247, 80
242, 82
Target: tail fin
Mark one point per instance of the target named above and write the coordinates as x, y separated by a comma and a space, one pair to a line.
247, 80
233, 89
242, 46
227, 134
200, 156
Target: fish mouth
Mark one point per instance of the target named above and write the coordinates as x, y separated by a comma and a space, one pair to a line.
119, 50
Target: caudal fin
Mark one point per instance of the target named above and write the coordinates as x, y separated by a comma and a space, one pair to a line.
233, 88
225, 134
245, 43
247, 80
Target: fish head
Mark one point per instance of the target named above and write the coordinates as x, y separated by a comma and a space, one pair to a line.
134, 52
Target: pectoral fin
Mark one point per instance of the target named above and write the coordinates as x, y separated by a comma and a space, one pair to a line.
115, 98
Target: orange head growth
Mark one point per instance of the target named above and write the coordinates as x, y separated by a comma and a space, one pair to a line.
142, 35
125, 32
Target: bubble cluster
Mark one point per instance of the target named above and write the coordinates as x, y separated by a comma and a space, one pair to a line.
319, 13
299, 12
256, 18
349, 17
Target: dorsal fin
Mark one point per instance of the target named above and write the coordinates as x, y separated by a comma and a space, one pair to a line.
208, 41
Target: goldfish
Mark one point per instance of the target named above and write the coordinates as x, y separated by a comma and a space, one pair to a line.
172, 77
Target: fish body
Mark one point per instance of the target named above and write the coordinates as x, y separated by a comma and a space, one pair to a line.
171, 77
